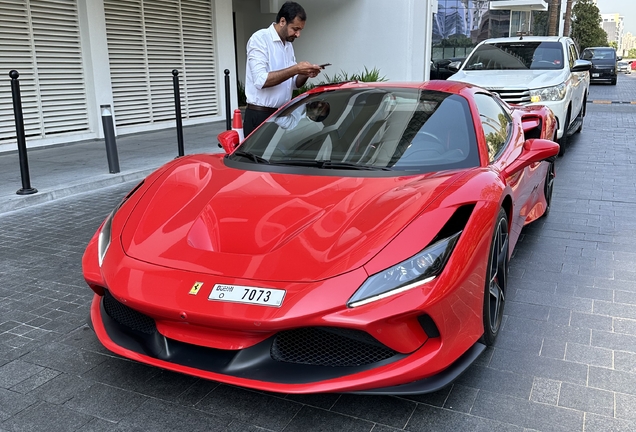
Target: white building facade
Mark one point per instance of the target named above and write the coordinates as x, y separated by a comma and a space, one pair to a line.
75, 56
614, 25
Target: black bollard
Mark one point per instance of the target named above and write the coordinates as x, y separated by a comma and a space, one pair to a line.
228, 115
109, 139
20, 135
177, 110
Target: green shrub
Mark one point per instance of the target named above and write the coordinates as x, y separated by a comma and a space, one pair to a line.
372, 75
240, 91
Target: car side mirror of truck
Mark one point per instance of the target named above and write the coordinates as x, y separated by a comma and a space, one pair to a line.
454, 66
581, 66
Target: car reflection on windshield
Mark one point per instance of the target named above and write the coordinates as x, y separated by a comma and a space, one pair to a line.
367, 129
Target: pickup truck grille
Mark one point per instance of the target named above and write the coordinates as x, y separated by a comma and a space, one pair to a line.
518, 96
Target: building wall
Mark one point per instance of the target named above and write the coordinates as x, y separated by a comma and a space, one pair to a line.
351, 35
613, 25
459, 25
95, 70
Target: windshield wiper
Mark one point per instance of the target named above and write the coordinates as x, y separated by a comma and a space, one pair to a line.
327, 164
252, 156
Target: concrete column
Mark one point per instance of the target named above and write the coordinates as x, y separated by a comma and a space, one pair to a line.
99, 89
224, 45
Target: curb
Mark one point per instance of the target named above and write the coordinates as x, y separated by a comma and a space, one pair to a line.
42, 196
609, 102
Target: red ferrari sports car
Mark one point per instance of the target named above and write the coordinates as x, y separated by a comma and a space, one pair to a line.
357, 241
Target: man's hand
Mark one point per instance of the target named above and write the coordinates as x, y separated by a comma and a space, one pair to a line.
303, 69
308, 69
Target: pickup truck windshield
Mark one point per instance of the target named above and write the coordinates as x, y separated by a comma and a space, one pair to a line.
517, 55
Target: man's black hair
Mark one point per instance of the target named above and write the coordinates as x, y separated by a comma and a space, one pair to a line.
291, 10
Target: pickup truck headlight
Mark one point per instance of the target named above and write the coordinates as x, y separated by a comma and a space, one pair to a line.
546, 94
414, 272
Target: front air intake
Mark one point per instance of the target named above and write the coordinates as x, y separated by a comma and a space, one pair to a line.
128, 317
328, 346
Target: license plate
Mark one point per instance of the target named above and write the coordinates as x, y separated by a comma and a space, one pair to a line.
246, 294
595, 75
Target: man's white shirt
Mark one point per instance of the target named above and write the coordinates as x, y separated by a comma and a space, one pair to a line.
265, 53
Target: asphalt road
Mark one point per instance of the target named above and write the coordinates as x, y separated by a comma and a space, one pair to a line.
565, 359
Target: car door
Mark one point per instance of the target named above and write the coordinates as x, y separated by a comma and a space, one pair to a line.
579, 81
504, 145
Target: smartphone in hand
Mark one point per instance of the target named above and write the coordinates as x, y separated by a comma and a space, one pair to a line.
322, 66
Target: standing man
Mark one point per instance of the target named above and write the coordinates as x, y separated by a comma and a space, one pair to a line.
272, 72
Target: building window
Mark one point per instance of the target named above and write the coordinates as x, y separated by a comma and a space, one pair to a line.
499, 23
519, 22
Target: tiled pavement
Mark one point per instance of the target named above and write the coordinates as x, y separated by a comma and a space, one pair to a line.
66, 170
564, 361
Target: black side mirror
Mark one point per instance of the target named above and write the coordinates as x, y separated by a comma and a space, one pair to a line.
581, 66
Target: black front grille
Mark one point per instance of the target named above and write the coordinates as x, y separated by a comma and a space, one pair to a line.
328, 346
128, 317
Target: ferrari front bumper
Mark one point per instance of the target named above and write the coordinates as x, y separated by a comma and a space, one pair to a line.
262, 365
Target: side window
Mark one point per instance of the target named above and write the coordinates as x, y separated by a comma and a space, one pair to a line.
496, 123
574, 55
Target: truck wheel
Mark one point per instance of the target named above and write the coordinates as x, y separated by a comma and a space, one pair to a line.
563, 142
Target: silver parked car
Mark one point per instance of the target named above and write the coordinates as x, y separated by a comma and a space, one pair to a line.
625, 67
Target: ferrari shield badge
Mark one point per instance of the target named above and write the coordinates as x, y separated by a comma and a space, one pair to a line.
195, 288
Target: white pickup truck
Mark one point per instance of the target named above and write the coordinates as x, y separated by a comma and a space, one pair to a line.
543, 70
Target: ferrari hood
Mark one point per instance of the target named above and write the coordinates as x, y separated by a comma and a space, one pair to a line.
511, 79
205, 217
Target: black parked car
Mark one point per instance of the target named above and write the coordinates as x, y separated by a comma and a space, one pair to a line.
440, 68
604, 64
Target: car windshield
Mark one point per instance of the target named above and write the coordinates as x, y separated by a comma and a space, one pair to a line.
367, 128
598, 54
516, 55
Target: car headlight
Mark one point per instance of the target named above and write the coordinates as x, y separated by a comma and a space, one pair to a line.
104, 238
105, 234
555, 93
415, 271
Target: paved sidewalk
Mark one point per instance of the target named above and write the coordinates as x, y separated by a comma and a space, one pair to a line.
63, 170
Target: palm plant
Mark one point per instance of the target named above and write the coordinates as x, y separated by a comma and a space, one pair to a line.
369, 75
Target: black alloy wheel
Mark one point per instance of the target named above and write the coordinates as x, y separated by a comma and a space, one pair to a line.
548, 188
496, 280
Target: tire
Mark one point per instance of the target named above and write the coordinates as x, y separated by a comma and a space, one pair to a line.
496, 280
582, 115
613, 81
563, 142
548, 188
